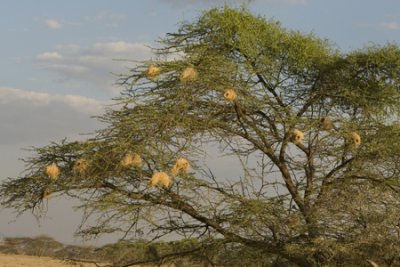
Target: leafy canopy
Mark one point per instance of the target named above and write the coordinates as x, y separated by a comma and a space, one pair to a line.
313, 129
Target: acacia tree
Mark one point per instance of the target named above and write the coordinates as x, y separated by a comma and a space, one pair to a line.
314, 129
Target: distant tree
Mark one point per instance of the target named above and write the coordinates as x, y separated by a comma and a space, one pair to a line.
11, 246
123, 251
315, 131
37, 246
42, 246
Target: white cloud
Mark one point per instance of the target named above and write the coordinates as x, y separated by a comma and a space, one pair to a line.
93, 64
10, 95
49, 56
79, 103
82, 104
53, 24
391, 25
29, 117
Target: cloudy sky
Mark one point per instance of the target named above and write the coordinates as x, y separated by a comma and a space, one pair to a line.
57, 60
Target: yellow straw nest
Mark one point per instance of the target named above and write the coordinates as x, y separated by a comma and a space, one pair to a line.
160, 178
230, 95
189, 74
52, 171
80, 166
152, 72
131, 160
297, 136
181, 167
326, 124
356, 138
46, 193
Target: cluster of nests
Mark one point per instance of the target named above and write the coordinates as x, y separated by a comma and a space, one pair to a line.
130, 160
189, 74
181, 165
326, 124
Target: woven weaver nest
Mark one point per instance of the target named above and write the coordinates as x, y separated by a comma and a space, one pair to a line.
131, 160
326, 124
152, 72
52, 171
297, 136
189, 74
80, 166
230, 94
160, 178
356, 138
181, 167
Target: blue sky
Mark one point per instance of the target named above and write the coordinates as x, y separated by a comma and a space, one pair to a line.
57, 59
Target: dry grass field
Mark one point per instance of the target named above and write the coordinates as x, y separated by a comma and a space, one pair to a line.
7, 260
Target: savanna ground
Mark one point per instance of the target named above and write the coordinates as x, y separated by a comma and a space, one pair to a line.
10, 260
45, 251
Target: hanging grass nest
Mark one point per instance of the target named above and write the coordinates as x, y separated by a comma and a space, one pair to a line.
80, 166
181, 167
160, 178
52, 171
152, 72
230, 94
356, 138
326, 124
131, 160
297, 136
188, 75
46, 193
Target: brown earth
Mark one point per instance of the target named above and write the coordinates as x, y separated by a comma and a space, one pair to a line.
9, 260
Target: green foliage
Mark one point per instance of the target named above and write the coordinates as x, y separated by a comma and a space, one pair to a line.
37, 246
329, 200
